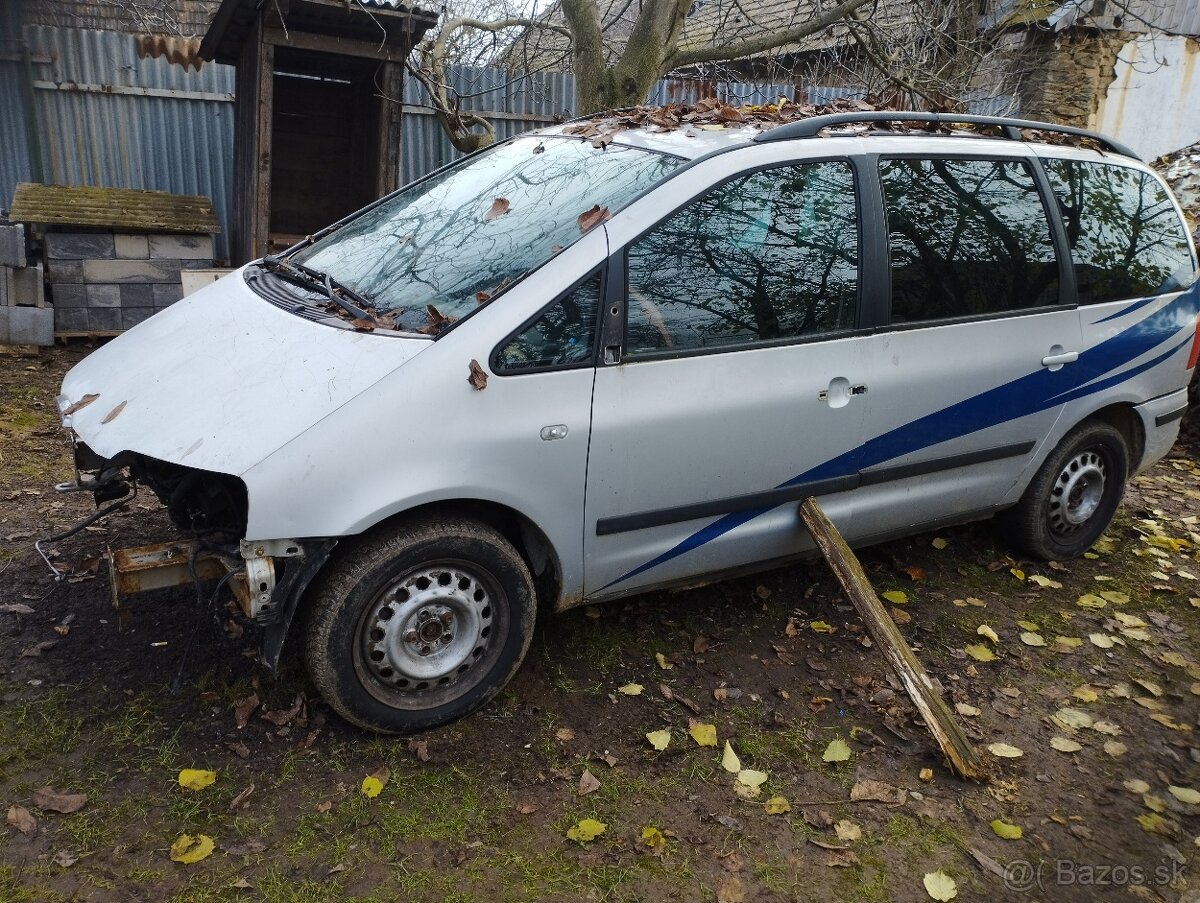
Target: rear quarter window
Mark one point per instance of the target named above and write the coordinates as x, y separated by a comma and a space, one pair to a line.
1127, 239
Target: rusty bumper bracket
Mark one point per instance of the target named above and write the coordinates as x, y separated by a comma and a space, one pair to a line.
159, 566
171, 564
285, 598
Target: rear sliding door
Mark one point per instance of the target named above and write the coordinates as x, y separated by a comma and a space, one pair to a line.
979, 346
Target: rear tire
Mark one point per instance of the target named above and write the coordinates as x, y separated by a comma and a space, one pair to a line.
417, 626
1072, 498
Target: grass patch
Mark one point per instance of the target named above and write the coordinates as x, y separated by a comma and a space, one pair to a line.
36, 731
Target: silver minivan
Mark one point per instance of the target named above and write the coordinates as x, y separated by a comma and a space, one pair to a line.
613, 356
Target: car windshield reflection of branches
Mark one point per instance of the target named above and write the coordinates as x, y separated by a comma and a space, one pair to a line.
461, 237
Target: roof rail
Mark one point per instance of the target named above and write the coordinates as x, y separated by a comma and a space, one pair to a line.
1009, 128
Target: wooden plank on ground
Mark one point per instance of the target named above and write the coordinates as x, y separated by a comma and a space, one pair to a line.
903, 661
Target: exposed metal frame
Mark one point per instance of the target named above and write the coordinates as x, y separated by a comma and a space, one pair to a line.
1009, 128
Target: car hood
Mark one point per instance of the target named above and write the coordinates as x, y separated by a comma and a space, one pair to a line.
222, 379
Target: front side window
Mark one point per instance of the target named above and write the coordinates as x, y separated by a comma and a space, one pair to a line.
1126, 238
772, 255
967, 237
563, 335
460, 237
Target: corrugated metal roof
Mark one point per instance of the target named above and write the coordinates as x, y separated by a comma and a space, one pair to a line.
1172, 16
1180, 17
708, 22
118, 208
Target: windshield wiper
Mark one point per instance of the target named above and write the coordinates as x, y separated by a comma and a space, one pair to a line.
334, 289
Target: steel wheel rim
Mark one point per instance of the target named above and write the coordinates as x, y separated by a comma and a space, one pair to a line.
430, 634
1078, 492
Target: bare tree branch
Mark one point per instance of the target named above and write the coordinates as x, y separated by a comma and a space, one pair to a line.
721, 52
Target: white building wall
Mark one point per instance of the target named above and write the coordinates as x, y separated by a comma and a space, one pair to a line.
1153, 104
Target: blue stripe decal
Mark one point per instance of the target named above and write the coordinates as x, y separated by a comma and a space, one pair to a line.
1137, 305
1092, 372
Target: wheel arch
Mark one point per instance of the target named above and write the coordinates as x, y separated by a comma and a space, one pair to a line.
1125, 420
530, 541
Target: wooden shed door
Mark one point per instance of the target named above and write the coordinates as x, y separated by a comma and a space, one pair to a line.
325, 145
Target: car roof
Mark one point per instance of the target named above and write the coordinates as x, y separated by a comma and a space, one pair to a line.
689, 142
692, 132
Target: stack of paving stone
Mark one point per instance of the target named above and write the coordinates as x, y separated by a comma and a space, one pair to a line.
110, 281
114, 256
24, 317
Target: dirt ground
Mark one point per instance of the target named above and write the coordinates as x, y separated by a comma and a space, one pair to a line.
1097, 656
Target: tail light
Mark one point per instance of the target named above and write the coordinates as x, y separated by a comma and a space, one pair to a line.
1195, 355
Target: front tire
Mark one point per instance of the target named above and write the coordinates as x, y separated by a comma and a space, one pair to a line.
1072, 498
417, 626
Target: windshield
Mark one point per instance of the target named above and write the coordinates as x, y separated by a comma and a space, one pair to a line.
439, 248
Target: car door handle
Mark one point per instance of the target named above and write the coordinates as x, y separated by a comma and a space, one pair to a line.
1057, 360
840, 392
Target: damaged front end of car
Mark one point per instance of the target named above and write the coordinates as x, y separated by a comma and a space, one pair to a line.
209, 510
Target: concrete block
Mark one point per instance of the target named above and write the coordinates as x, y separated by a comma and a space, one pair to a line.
167, 293
131, 316
194, 280
103, 295
67, 295
200, 263
5, 279
131, 247
110, 271
70, 319
182, 247
26, 288
80, 245
28, 325
64, 271
137, 294
104, 319
12, 245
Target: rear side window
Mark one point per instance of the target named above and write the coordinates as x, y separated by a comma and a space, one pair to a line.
772, 255
1126, 238
560, 337
967, 237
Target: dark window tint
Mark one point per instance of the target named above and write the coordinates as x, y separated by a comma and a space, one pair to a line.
967, 237
772, 255
561, 336
1126, 239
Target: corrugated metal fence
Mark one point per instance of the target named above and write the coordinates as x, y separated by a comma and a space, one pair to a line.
107, 118
15, 164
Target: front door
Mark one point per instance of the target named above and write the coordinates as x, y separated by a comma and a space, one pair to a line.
738, 386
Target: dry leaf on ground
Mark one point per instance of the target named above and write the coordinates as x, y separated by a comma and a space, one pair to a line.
373, 784
940, 886
52, 801
188, 849
196, 778
22, 819
588, 783
586, 830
